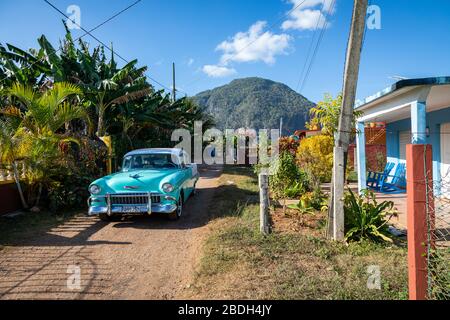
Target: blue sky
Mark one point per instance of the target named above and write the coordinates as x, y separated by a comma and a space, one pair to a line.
215, 41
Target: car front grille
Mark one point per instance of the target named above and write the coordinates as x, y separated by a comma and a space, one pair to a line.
133, 199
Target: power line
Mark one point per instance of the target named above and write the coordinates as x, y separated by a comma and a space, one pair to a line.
89, 32
319, 18
80, 37
270, 28
103, 44
252, 42
322, 33
330, 9
114, 16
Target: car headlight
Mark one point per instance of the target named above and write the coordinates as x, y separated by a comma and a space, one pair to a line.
94, 189
167, 188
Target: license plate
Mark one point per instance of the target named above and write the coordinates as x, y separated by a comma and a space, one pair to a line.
132, 209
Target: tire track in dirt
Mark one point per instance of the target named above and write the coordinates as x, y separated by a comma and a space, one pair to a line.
136, 258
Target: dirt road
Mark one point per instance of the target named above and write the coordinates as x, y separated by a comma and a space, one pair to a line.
137, 258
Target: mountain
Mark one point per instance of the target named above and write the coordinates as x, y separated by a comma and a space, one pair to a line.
257, 104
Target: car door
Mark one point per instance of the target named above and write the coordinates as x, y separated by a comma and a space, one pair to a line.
192, 171
186, 175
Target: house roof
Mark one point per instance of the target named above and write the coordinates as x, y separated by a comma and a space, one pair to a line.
403, 85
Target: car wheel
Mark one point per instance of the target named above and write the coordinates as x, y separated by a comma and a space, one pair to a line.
179, 212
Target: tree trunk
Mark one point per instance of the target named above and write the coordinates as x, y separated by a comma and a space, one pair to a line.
19, 187
100, 126
101, 120
38, 199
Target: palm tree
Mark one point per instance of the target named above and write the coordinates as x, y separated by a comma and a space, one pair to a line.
107, 90
40, 122
9, 145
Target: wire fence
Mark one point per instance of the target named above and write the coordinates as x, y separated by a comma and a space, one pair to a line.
438, 239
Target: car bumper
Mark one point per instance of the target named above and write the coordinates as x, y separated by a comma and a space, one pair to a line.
156, 208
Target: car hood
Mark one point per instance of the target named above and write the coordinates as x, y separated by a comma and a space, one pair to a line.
138, 181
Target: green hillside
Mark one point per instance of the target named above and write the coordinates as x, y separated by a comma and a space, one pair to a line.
256, 103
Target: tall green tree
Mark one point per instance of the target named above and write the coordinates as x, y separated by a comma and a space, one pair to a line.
9, 148
325, 115
36, 130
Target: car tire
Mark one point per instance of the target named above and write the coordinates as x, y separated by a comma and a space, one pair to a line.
176, 215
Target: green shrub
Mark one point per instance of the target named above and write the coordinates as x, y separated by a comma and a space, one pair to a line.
82, 164
300, 187
288, 180
311, 202
365, 219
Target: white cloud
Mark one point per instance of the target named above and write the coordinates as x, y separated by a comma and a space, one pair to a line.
307, 15
190, 62
215, 71
254, 45
304, 20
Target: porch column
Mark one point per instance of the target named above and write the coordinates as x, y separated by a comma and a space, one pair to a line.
419, 122
361, 156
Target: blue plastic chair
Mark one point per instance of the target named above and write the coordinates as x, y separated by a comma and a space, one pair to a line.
397, 183
375, 179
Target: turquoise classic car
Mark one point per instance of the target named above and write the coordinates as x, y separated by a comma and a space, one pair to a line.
150, 181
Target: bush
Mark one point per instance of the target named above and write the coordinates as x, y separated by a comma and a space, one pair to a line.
315, 157
365, 219
311, 202
288, 144
69, 192
82, 164
288, 180
299, 188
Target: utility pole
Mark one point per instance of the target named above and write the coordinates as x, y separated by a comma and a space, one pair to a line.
174, 88
281, 127
342, 139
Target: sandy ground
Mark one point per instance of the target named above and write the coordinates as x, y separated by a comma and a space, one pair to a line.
137, 258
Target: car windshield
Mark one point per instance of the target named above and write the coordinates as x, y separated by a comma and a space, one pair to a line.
149, 161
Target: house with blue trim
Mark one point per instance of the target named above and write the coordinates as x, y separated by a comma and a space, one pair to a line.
416, 111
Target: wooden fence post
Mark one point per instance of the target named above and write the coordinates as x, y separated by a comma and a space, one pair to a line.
264, 203
420, 199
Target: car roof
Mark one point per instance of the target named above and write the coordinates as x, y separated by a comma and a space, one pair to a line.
172, 151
